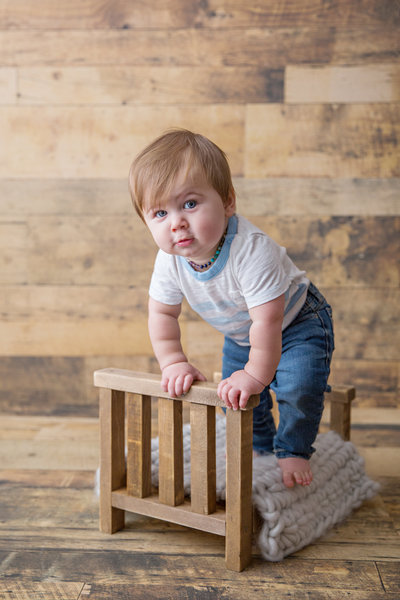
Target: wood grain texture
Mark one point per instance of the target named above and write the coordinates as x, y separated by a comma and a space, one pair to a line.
108, 138
170, 437
121, 15
278, 47
202, 459
138, 465
255, 197
352, 560
34, 590
86, 251
112, 457
355, 84
303, 97
8, 85
351, 140
148, 85
239, 448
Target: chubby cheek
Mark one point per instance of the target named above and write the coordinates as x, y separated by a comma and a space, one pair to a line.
159, 236
212, 229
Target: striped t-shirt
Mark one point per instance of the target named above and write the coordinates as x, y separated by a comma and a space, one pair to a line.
250, 270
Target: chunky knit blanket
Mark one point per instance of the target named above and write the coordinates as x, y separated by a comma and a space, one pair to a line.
293, 518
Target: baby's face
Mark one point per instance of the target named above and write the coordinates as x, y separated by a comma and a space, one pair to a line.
191, 220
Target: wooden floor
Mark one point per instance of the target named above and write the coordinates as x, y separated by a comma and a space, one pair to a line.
50, 546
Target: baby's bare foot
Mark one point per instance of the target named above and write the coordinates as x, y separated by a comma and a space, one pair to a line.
295, 470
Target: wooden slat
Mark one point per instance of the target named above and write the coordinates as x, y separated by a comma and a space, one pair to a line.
148, 85
8, 85
138, 469
342, 251
278, 47
87, 260
149, 384
351, 140
239, 450
118, 14
181, 515
376, 382
121, 132
203, 459
294, 196
290, 196
356, 84
170, 470
64, 338
352, 250
112, 457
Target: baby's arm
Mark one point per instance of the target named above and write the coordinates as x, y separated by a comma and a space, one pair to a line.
177, 374
265, 353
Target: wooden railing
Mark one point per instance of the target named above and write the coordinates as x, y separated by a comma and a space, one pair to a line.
125, 465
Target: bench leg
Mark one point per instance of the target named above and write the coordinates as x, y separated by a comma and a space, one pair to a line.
239, 466
340, 420
112, 457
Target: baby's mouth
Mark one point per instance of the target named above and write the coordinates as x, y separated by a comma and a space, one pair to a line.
184, 243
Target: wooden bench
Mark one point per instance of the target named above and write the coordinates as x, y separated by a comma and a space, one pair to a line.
125, 466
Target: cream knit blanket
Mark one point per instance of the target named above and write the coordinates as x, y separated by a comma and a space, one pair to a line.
293, 518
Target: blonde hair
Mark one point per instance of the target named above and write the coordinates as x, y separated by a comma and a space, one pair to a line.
155, 169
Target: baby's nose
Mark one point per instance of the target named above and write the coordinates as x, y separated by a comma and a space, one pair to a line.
178, 221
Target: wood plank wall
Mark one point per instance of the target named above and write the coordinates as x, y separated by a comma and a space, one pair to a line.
303, 95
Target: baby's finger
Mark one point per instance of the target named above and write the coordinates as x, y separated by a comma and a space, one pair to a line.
233, 396
187, 382
171, 387
164, 384
244, 398
223, 390
179, 384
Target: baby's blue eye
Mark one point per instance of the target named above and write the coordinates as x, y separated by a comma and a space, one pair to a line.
160, 213
190, 204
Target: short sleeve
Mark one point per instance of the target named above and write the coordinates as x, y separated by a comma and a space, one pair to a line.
260, 270
164, 285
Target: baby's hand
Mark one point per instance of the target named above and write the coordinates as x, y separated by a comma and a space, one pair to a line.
177, 378
236, 390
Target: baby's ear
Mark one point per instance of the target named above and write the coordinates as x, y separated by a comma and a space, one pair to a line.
230, 205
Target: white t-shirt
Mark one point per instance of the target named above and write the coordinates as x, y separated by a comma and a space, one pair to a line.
251, 269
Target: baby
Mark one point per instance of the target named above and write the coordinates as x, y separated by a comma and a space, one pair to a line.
277, 325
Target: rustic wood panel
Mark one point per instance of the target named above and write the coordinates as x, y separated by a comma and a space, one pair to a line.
13, 250
278, 47
59, 385
255, 197
368, 332
312, 196
148, 85
71, 293
377, 382
350, 140
141, 567
341, 250
85, 250
8, 86
72, 303
64, 338
102, 141
119, 14
115, 250
356, 84
34, 590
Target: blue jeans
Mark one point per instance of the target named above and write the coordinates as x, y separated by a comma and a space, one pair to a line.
299, 382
